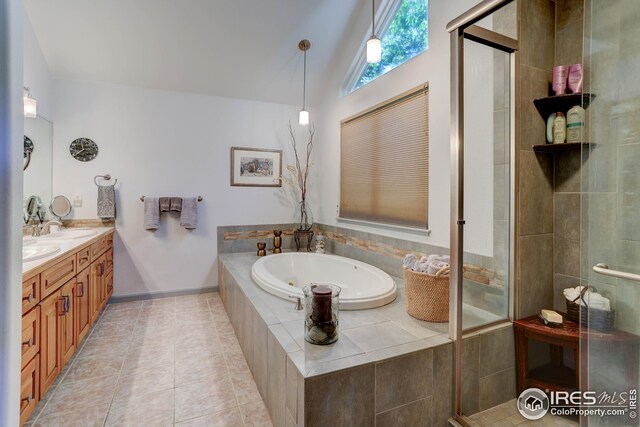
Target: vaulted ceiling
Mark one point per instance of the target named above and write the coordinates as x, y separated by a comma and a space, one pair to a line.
234, 48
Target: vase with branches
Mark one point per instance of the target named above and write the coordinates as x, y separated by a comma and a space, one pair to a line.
298, 175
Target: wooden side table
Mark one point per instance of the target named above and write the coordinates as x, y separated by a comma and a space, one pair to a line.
556, 376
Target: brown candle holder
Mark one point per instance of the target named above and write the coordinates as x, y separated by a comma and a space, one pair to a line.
322, 308
262, 246
277, 241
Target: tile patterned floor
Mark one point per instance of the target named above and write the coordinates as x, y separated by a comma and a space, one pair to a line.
507, 415
163, 362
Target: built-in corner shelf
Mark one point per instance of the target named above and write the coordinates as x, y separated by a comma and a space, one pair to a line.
554, 104
566, 146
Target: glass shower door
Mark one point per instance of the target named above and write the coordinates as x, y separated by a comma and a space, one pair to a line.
611, 200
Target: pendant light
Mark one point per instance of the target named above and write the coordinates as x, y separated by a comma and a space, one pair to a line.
30, 104
374, 46
303, 118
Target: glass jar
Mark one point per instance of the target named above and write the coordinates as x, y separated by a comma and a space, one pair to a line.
303, 216
321, 313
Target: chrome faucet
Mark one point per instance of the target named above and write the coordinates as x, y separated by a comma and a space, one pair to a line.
46, 227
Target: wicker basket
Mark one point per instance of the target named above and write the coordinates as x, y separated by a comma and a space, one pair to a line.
587, 317
427, 295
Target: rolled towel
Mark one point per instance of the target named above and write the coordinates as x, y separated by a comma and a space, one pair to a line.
175, 205
436, 266
151, 213
189, 214
165, 203
409, 260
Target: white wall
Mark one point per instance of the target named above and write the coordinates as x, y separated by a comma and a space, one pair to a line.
11, 122
36, 72
432, 66
160, 143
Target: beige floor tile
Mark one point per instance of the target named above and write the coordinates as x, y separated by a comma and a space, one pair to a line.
212, 370
199, 351
124, 305
95, 366
147, 409
245, 388
194, 317
226, 418
109, 330
255, 415
71, 396
121, 316
157, 354
139, 379
87, 416
159, 302
203, 398
98, 346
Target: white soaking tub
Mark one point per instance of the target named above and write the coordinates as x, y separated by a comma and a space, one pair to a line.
363, 285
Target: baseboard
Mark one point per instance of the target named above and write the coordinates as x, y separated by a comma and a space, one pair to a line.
156, 295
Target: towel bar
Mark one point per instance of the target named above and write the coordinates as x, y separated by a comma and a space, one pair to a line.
142, 198
106, 177
604, 269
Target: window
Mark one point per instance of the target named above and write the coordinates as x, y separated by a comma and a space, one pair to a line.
384, 169
406, 36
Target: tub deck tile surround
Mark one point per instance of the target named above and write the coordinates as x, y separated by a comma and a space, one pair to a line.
351, 382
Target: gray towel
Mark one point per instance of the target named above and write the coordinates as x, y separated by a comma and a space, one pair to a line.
164, 204
106, 202
176, 204
151, 213
189, 214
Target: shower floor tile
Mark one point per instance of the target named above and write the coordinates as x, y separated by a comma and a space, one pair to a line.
507, 415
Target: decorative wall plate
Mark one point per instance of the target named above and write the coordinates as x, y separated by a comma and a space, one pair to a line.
83, 149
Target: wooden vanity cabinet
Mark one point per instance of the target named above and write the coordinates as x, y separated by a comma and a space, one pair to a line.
82, 304
50, 324
59, 306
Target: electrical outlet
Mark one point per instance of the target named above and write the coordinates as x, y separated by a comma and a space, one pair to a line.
77, 201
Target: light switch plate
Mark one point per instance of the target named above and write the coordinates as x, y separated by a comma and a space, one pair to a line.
77, 201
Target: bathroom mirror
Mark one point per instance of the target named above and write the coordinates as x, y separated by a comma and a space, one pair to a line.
60, 207
38, 156
33, 209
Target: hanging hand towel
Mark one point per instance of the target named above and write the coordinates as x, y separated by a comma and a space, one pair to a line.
165, 202
189, 214
176, 204
106, 202
151, 213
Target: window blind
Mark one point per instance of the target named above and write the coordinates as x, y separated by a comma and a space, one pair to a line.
384, 170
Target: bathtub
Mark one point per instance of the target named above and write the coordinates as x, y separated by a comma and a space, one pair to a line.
363, 285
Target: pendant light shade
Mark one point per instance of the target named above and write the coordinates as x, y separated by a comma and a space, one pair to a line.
374, 50
303, 117
30, 104
374, 46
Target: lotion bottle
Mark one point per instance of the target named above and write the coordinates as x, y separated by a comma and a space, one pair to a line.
575, 124
559, 129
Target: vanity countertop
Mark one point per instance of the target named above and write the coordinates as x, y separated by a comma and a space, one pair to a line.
67, 247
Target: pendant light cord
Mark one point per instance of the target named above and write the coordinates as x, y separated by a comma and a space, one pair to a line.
304, 83
373, 18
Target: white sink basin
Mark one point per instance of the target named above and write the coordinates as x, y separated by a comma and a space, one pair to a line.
70, 233
37, 251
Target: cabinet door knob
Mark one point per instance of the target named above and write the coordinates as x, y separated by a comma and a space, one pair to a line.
28, 343
28, 399
30, 298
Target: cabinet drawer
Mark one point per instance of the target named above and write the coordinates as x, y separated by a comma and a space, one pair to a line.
108, 261
30, 293
29, 388
98, 248
83, 258
30, 335
58, 275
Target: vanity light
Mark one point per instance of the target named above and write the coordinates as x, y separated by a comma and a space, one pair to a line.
30, 104
374, 46
303, 117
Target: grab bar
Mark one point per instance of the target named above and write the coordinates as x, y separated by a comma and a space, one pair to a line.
604, 269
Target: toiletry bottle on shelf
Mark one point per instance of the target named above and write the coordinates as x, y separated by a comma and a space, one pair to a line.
559, 84
574, 80
559, 129
575, 124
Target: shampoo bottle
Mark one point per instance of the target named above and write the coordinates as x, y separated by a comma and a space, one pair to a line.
559, 129
575, 124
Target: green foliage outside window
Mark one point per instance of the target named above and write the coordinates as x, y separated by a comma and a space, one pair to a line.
406, 37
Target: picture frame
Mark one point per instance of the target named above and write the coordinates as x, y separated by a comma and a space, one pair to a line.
255, 167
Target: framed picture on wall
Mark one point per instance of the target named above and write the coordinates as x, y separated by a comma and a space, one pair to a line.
256, 167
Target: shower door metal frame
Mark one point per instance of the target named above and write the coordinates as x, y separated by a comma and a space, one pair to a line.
461, 28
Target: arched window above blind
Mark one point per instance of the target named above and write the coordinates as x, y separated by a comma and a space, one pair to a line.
384, 170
